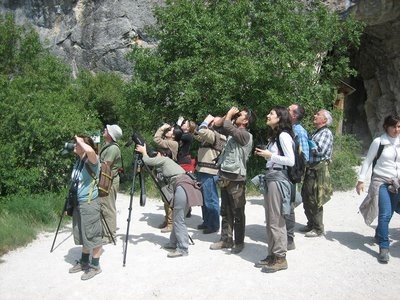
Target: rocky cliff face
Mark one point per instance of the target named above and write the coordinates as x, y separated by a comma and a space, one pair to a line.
97, 35
378, 64
92, 34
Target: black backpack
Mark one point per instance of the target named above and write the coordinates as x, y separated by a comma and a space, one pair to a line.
296, 172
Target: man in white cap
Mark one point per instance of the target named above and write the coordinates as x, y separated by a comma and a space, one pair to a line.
111, 154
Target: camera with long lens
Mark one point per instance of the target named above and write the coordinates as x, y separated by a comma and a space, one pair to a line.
139, 140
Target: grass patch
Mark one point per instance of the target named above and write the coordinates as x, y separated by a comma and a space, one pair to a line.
22, 217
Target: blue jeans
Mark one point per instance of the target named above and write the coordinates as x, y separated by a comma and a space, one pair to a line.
387, 204
210, 208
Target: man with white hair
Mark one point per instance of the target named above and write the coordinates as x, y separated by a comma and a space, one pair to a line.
111, 154
317, 188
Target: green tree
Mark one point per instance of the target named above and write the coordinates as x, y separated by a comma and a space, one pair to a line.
212, 54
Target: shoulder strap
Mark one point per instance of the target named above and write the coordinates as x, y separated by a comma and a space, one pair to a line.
278, 143
378, 154
108, 145
90, 171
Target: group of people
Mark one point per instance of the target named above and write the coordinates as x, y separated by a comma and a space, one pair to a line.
226, 143
280, 193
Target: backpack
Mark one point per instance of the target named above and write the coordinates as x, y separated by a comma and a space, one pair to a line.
105, 180
296, 172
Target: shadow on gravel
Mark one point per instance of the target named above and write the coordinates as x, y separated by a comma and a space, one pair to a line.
356, 241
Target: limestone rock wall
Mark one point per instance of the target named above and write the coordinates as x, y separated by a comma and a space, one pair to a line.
378, 64
94, 34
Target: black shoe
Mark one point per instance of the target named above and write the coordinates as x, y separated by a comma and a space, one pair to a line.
237, 248
383, 256
290, 244
305, 228
201, 226
208, 231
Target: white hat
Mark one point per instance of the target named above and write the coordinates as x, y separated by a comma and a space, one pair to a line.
114, 131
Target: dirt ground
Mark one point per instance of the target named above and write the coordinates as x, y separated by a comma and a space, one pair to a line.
341, 265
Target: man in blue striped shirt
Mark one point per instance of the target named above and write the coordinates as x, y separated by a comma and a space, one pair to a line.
296, 112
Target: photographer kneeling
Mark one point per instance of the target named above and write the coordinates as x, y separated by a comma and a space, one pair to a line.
186, 193
86, 222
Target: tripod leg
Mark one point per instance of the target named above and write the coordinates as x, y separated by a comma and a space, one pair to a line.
58, 227
135, 167
191, 240
108, 228
142, 189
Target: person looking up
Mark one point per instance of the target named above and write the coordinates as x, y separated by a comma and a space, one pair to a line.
212, 144
111, 153
232, 172
296, 113
168, 137
186, 194
278, 188
86, 221
317, 189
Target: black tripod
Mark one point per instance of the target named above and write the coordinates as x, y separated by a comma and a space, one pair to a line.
138, 166
62, 216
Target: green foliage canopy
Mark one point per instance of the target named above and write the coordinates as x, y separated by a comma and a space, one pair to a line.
213, 54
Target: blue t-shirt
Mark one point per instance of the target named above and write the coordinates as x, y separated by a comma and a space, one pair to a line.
86, 181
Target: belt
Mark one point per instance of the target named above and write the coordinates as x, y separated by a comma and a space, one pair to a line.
275, 169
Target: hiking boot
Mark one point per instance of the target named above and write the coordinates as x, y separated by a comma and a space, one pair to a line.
221, 245
237, 248
305, 228
201, 226
263, 262
78, 267
177, 253
290, 244
277, 264
383, 256
313, 233
166, 229
91, 272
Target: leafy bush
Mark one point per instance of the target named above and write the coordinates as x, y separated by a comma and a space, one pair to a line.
346, 155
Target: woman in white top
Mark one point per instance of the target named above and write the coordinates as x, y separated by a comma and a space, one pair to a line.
383, 193
277, 187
